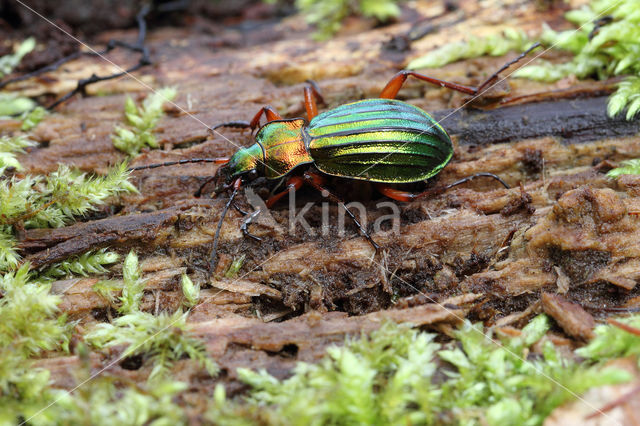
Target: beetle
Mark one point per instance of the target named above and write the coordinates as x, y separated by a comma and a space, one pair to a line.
383, 140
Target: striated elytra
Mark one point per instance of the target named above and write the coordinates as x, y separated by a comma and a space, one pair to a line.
380, 140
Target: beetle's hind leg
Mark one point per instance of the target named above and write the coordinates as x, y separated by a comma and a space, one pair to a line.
405, 196
493, 77
392, 88
311, 96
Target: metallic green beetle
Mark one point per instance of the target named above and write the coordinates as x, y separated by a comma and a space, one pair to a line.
383, 140
379, 140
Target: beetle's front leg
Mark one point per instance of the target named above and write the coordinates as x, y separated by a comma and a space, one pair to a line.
269, 112
248, 218
293, 183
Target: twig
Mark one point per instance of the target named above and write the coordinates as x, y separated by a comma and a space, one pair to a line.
138, 46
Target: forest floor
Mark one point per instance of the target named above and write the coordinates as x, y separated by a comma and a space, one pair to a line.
563, 240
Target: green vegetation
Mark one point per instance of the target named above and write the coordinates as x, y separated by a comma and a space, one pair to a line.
32, 118
389, 377
89, 263
190, 291
29, 326
51, 201
613, 342
327, 15
133, 287
628, 94
161, 340
494, 45
235, 267
13, 105
141, 122
629, 167
9, 147
612, 50
105, 401
9, 62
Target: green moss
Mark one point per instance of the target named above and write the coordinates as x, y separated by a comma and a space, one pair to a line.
473, 47
613, 50
629, 167
389, 377
107, 401
9, 62
9, 147
160, 340
28, 311
32, 118
133, 287
29, 326
11, 105
613, 342
52, 201
89, 263
190, 291
327, 15
235, 266
141, 121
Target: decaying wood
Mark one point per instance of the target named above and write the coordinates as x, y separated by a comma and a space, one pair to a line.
573, 319
564, 227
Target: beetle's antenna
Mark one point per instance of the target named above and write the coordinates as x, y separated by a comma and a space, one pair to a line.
216, 238
221, 160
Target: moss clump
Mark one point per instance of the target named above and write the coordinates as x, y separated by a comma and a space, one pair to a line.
89, 263
141, 121
327, 15
600, 52
161, 339
9, 62
32, 118
190, 291
9, 147
629, 167
52, 201
495, 45
613, 342
389, 377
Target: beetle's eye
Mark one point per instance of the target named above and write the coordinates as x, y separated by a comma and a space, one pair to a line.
253, 174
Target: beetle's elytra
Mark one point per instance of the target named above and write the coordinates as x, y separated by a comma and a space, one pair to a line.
382, 140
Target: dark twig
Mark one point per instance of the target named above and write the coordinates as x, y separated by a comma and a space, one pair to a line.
138, 47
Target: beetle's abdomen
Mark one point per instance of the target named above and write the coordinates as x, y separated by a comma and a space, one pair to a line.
382, 140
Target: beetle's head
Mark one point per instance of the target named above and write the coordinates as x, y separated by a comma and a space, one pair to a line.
244, 164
